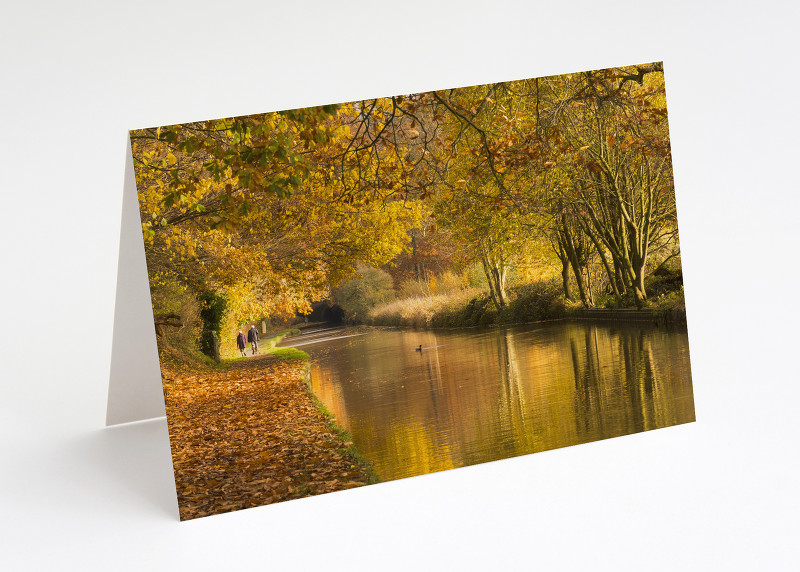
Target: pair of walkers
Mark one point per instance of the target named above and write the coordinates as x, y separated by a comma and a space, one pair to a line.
252, 338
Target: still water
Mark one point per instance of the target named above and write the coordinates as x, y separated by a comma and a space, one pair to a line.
472, 396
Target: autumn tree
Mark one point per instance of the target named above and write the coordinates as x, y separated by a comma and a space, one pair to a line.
612, 125
252, 207
275, 209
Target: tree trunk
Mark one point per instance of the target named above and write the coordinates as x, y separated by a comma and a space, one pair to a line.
565, 278
612, 275
574, 257
558, 248
589, 292
619, 281
639, 293
172, 320
496, 276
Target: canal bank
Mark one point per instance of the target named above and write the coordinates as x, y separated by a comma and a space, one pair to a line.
530, 303
675, 316
249, 432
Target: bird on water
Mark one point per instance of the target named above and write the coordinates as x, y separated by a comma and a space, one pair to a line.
419, 349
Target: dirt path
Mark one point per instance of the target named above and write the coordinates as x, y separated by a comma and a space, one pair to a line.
249, 435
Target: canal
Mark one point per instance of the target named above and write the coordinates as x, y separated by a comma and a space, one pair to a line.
475, 395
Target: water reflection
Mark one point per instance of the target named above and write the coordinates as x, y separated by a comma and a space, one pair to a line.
479, 395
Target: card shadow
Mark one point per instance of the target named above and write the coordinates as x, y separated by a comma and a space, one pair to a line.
137, 458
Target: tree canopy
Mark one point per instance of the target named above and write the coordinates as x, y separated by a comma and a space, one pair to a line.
273, 210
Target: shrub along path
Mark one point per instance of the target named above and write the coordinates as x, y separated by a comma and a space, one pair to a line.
250, 434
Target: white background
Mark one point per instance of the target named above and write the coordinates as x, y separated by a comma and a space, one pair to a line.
718, 494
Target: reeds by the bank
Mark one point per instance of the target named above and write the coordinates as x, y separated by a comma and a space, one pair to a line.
420, 311
473, 307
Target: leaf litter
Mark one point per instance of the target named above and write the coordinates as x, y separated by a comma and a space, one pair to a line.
250, 435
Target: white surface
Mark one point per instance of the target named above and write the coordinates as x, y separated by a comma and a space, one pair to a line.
134, 387
719, 494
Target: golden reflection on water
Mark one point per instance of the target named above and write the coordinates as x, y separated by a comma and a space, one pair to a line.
474, 396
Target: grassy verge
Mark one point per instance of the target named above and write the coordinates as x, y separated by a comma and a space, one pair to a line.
347, 448
283, 353
288, 354
344, 436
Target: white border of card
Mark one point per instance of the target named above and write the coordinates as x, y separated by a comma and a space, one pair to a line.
135, 392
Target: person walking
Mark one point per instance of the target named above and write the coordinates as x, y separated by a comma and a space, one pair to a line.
252, 337
241, 343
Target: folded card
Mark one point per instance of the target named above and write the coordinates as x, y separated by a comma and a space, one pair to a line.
365, 291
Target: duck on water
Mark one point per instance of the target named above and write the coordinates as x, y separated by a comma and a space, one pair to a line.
420, 348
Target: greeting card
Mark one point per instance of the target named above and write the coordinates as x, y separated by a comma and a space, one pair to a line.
365, 291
